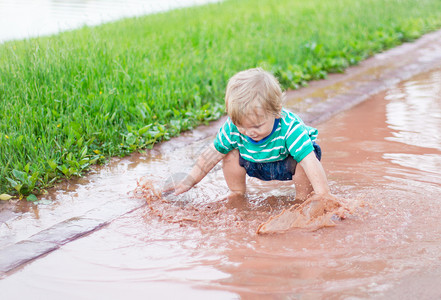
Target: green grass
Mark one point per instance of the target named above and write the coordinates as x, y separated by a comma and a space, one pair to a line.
74, 99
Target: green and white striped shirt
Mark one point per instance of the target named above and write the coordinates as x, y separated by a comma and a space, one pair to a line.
289, 137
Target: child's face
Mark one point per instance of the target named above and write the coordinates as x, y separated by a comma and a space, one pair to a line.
257, 126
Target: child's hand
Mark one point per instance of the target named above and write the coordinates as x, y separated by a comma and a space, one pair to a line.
326, 198
330, 202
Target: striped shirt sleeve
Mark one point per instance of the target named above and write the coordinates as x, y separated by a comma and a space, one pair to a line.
298, 141
224, 142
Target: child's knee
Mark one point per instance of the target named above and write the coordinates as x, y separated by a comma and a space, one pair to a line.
231, 157
231, 165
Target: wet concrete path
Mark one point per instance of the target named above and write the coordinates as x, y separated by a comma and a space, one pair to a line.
379, 160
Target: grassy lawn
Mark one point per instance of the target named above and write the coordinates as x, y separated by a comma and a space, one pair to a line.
74, 99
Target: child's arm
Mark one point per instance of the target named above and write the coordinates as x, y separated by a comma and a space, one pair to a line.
205, 162
316, 175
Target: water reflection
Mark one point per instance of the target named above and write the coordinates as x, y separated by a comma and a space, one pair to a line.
27, 18
414, 112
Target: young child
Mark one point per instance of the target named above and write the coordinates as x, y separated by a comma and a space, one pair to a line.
261, 139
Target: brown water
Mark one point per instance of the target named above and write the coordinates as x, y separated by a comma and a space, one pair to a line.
385, 151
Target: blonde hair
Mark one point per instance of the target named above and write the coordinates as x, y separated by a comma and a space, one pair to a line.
250, 90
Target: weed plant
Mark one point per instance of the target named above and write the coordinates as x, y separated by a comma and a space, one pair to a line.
71, 100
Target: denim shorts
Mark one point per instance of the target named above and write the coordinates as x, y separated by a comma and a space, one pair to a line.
277, 170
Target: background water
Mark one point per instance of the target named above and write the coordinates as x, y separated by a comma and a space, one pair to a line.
30, 18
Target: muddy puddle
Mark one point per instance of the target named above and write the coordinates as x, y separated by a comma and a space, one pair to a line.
385, 151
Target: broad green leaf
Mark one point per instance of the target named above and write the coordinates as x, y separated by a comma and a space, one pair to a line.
12, 182
5, 197
32, 198
27, 167
144, 129
21, 176
52, 164
83, 152
131, 139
